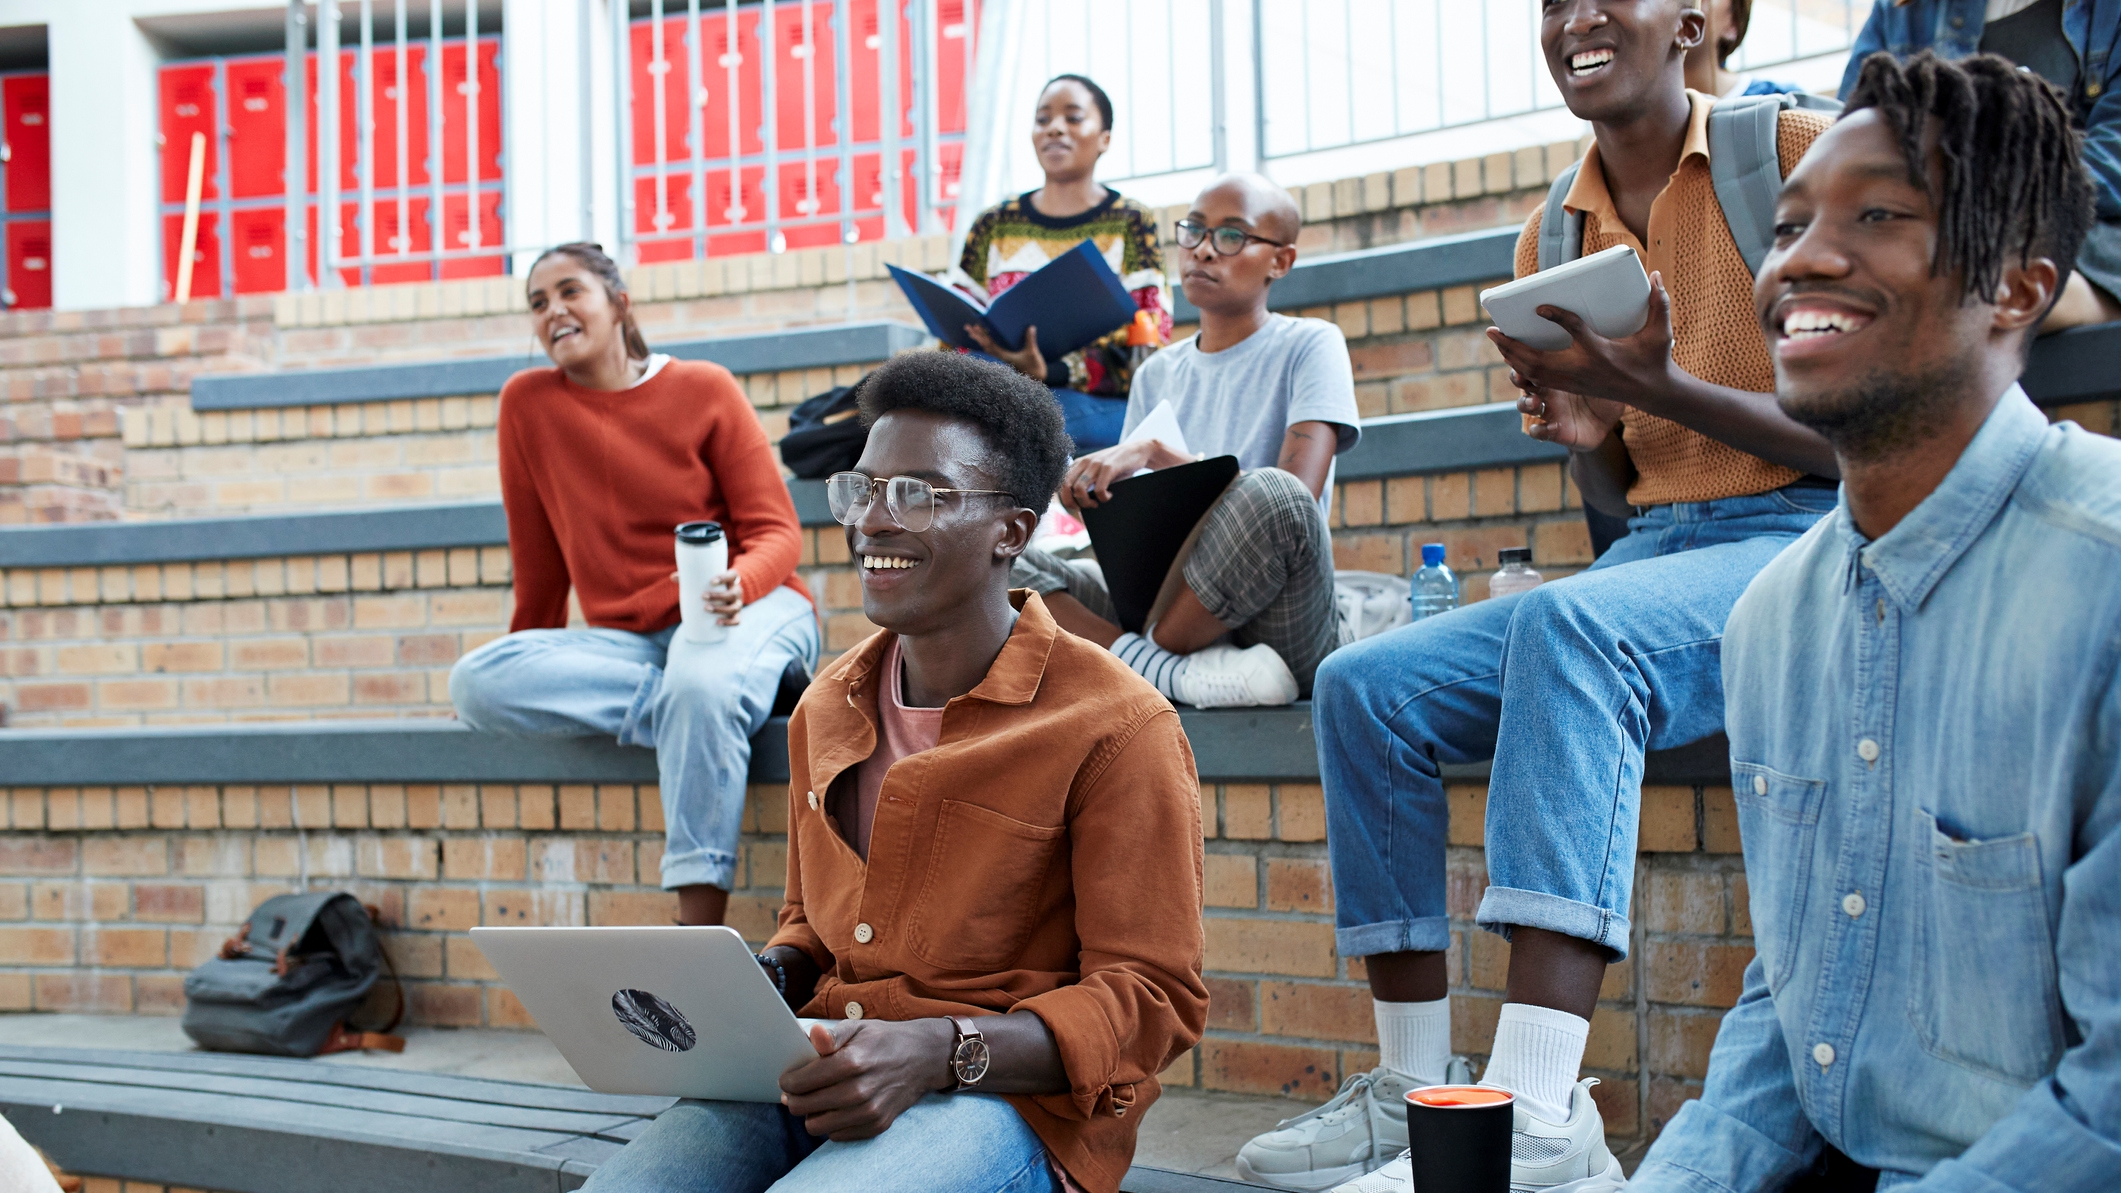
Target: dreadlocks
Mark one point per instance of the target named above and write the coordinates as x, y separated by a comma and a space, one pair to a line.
2013, 184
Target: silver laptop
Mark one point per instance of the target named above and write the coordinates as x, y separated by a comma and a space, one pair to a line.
684, 1012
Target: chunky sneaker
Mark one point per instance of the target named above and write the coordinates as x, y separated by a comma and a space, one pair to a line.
1226, 677
1362, 1127
1545, 1157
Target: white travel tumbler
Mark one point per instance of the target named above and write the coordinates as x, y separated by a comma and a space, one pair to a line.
703, 554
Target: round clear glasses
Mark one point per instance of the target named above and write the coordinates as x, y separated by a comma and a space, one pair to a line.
1229, 241
911, 501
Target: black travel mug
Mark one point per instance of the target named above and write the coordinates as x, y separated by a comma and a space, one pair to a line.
1459, 1137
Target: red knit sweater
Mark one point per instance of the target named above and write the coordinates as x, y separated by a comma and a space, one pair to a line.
596, 481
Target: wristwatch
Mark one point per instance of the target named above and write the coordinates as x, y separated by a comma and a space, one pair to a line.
968, 1056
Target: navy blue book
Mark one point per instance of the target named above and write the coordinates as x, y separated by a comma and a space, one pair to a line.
1073, 300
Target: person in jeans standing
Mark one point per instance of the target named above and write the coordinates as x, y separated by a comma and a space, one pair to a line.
994, 850
602, 456
1565, 687
1925, 691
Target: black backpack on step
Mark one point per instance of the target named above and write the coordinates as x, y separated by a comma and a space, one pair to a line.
825, 434
287, 982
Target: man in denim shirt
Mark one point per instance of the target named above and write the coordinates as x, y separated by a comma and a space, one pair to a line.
1925, 724
2074, 44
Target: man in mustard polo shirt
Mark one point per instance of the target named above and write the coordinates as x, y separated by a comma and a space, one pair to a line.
1567, 686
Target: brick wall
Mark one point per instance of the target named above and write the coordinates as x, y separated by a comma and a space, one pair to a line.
68, 379
108, 895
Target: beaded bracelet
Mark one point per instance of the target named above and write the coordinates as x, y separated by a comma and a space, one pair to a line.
778, 972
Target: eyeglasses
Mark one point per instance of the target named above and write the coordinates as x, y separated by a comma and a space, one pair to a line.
909, 500
1229, 241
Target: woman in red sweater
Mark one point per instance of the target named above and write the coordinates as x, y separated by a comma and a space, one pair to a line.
602, 456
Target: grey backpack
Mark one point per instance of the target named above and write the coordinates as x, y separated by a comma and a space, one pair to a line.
288, 981
1744, 165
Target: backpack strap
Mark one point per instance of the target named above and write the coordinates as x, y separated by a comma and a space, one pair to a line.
1746, 167
1560, 230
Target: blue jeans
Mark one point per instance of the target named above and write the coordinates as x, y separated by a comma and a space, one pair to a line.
1094, 423
1580, 676
696, 705
962, 1143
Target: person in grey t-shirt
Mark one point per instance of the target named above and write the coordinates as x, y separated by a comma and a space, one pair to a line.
1279, 394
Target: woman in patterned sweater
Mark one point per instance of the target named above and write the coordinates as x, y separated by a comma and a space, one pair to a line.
1071, 130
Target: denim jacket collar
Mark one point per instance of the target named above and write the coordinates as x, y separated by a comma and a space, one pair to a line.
1912, 557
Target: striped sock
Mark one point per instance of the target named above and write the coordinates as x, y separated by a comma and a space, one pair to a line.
1152, 662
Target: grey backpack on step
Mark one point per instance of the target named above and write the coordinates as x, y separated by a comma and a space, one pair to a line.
1744, 164
287, 982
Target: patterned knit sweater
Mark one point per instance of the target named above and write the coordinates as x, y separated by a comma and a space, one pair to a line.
1012, 239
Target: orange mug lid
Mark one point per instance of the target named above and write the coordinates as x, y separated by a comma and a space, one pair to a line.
1448, 1097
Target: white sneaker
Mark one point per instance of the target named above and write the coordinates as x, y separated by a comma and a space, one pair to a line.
1544, 1157
1226, 677
1363, 1126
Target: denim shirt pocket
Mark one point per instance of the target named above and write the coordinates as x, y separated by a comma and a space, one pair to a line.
1983, 990
1778, 817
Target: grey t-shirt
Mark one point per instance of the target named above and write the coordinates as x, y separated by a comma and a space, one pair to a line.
1242, 401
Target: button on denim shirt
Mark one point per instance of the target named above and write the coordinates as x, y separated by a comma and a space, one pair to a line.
1926, 753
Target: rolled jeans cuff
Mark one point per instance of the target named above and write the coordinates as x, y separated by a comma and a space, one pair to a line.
1503, 908
1429, 934
709, 867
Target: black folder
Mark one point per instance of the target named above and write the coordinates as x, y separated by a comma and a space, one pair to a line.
1073, 300
1139, 532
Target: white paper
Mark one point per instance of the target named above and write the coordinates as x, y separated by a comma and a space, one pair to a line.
1162, 424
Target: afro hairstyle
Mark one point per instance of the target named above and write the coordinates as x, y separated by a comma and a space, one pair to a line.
1018, 418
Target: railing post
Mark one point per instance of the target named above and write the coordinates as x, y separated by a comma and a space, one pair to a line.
770, 126
890, 115
437, 211
294, 104
622, 125
329, 233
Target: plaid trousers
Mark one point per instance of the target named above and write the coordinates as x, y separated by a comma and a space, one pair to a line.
1263, 566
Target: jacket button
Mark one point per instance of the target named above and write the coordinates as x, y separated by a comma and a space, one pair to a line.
1759, 788
1853, 904
1823, 1053
813, 801
854, 1011
863, 934
1867, 750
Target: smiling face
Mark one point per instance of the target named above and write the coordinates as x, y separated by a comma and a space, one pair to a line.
920, 583
1068, 133
571, 314
1222, 284
1870, 343
1610, 58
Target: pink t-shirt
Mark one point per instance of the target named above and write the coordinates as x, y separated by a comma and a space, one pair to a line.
901, 732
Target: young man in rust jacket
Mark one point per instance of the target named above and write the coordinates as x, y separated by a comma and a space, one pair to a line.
994, 861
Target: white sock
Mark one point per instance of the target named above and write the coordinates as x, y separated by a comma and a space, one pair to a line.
1537, 1053
1152, 662
1414, 1038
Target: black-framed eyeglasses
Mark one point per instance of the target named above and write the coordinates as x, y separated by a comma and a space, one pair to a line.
909, 500
1228, 241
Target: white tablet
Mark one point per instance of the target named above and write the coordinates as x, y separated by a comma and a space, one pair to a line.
1608, 289
676, 1011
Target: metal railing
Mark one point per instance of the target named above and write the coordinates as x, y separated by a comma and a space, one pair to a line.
1352, 72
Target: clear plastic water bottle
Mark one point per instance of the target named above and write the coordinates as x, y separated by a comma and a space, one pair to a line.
1435, 588
1516, 575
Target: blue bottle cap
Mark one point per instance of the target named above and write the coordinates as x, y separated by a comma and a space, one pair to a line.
1431, 554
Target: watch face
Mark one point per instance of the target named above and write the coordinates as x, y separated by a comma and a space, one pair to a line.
970, 1063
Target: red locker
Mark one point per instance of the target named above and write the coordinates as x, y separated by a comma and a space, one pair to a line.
715, 61
29, 264
257, 130
349, 245
260, 242
791, 52
813, 236
206, 256
750, 209
672, 68
862, 71
389, 92
188, 105
458, 235
412, 234
797, 201
25, 107
487, 93
676, 217
349, 180
954, 35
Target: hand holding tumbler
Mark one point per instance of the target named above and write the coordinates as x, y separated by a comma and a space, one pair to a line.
702, 554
